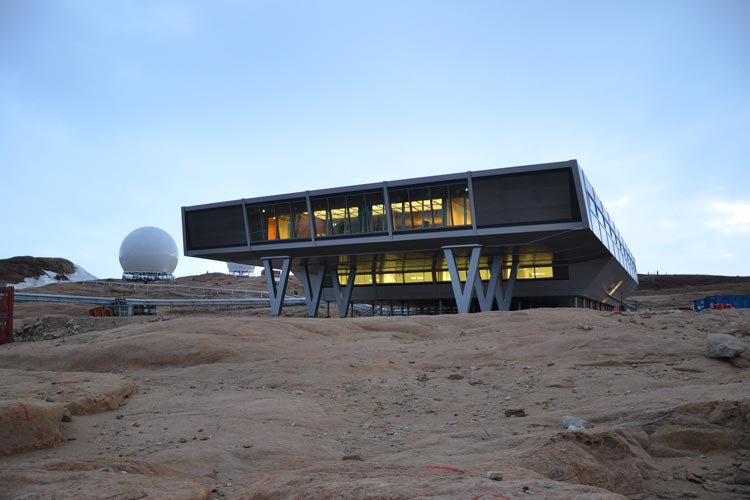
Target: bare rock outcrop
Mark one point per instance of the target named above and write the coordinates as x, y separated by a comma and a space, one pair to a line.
612, 459
723, 346
33, 404
370, 482
702, 427
29, 425
96, 479
622, 459
80, 392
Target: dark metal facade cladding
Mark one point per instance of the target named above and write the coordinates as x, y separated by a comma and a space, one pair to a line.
526, 198
215, 228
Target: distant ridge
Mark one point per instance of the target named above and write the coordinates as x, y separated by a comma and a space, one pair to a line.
662, 281
28, 271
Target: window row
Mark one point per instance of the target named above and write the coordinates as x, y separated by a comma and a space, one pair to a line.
430, 207
415, 268
279, 221
605, 230
608, 234
416, 277
350, 214
420, 208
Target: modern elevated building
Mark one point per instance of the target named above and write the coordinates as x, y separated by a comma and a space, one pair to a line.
511, 238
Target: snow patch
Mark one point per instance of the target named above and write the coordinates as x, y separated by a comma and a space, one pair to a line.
48, 277
81, 274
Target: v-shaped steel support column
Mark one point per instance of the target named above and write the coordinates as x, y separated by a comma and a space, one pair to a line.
487, 298
464, 294
312, 276
344, 299
504, 296
276, 293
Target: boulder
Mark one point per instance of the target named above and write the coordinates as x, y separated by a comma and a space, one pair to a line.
723, 346
575, 423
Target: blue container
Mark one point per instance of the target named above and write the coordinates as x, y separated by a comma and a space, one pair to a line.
736, 301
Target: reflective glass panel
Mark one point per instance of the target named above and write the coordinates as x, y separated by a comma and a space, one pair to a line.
430, 207
400, 209
460, 211
349, 214
278, 221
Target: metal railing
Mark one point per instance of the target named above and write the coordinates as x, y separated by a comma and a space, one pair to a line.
82, 299
202, 289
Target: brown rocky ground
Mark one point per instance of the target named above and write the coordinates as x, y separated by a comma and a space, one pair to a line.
229, 404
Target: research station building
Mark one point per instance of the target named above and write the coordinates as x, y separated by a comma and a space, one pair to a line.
501, 239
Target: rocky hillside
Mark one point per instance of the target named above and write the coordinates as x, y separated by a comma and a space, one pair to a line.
32, 271
664, 281
660, 292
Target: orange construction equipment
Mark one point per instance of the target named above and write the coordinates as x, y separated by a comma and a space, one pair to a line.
101, 311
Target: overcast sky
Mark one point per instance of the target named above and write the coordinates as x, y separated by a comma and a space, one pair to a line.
114, 114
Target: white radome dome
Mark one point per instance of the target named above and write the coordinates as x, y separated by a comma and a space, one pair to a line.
148, 250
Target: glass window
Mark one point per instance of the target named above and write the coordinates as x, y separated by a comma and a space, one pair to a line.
280, 225
400, 210
356, 214
279, 221
359, 279
320, 216
591, 202
349, 214
300, 220
258, 220
421, 208
531, 265
430, 207
338, 222
389, 278
595, 224
418, 277
533, 273
363, 270
460, 210
440, 198
389, 269
445, 276
375, 213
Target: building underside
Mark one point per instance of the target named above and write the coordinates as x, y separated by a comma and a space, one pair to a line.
475, 241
